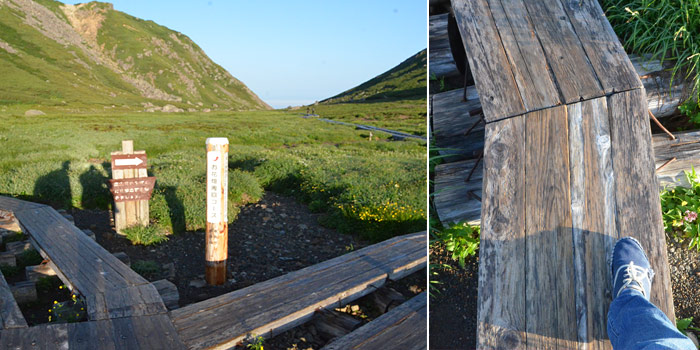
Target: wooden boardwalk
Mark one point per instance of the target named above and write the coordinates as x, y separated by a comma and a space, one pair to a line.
271, 307
568, 169
405, 327
125, 311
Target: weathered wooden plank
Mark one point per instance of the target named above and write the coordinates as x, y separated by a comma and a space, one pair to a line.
638, 204
501, 308
273, 306
273, 312
452, 120
602, 47
129, 301
440, 61
10, 314
685, 149
550, 298
110, 287
489, 64
527, 60
566, 58
15, 205
593, 217
147, 332
457, 200
72, 252
404, 327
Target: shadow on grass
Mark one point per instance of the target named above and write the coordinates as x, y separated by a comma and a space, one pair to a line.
176, 210
54, 187
95, 193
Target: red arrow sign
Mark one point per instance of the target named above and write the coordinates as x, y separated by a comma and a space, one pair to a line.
128, 161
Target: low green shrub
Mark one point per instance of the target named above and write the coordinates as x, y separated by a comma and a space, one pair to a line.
461, 239
145, 235
149, 269
691, 109
665, 30
680, 207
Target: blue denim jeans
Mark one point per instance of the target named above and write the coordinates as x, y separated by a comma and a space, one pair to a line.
635, 323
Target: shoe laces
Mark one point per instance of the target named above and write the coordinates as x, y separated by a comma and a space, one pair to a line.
634, 276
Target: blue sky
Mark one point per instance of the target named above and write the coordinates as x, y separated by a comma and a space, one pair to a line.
295, 52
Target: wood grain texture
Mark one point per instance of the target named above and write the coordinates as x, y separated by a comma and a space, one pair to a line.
14, 204
685, 148
489, 64
638, 203
440, 61
10, 314
593, 218
111, 288
501, 313
451, 121
524, 52
549, 286
455, 199
404, 327
148, 332
566, 58
281, 303
602, 47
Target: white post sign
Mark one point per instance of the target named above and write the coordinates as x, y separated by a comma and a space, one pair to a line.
216, 241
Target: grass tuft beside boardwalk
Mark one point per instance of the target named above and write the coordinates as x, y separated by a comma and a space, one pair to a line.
375, 188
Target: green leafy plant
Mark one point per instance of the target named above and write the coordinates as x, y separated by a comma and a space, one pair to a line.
145, 235
146, 268
664, 30
256, 343
440, 80
462, 240
680, 207
691, 109
684, 324
69, 311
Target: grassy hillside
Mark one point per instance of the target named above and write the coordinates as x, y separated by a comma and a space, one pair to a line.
407, 81
376, 189
89, 56
394, 100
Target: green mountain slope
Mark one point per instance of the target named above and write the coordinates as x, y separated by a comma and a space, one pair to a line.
405, 81
90, 55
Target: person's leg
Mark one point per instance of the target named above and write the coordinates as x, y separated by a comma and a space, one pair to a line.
633, 321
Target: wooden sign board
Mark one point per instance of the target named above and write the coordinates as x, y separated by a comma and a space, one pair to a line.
130, 197
128, 161
135, 189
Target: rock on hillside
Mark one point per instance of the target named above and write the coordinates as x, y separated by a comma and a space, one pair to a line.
90, 54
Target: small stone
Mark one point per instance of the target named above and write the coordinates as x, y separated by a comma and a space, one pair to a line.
269, 210
278, 226
303, 227
90, 234
284, 216
69, 218
198, 283
18, 248
169, 271
123, 258
33, 113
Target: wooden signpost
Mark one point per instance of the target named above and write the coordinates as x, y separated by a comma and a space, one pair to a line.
131, 187
216, 240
